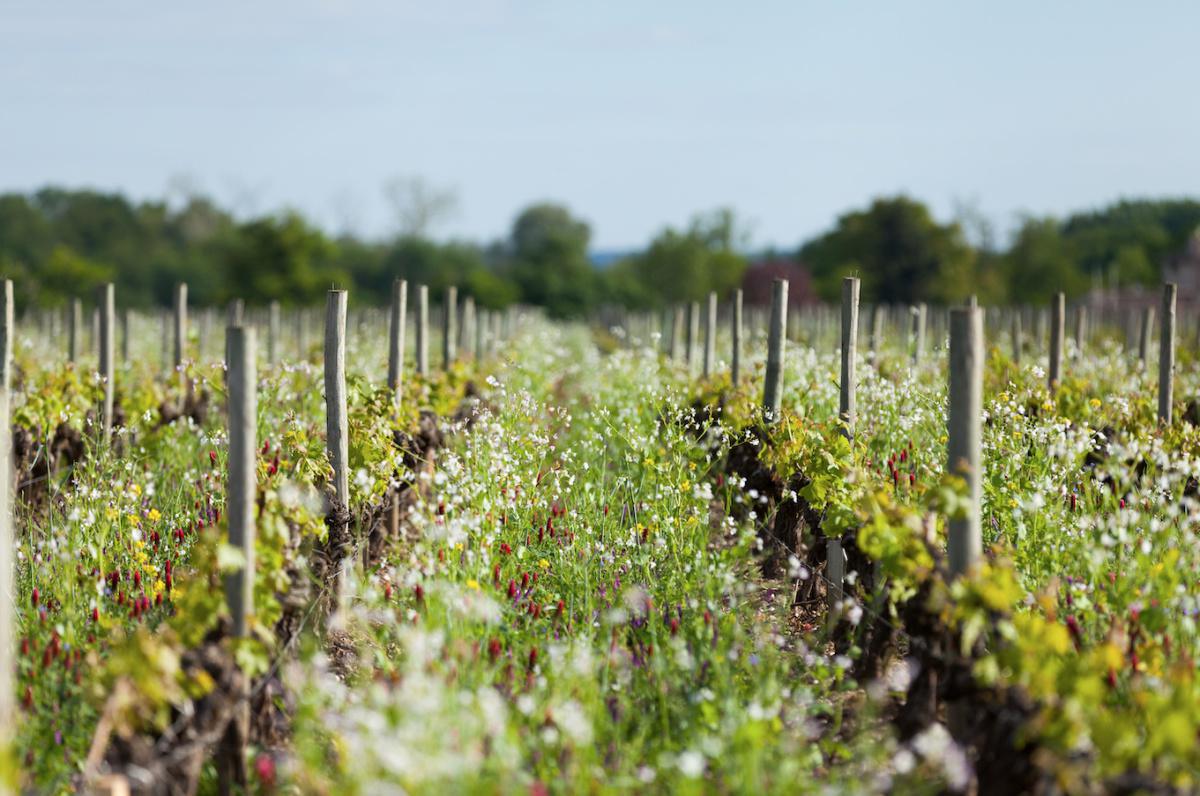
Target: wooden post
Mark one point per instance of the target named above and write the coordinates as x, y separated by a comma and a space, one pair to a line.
847, 407
450, 327
1015, 332
494, 337
678, 324
396, 331
7, 546
273, 333
691, 333
736, 359
204, 334
1080, 329
301, 343
422, 330
710, 334
237, 313
107, 306
181, 323
1144, 337
835, 576
876, 331
1058, 315
164, 334
965, 544
468, 327
74, 322
1166, 355
834, 556
776, 331
482, 323
335, 395
240, 487
918, 332
125, 321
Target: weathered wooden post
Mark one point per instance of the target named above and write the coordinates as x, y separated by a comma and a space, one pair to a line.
237, 313
677, 327
450, 327
396, 331
74, 322
95, 328
336, 430
240, 487
692, 334
1015, 332
468, 327
7, 547
1147, 329
918, 332
495, 336
422, 330
965, 543
240, 490
481, 327
164, 335
106, 350
1058, 319
273, 333
847, 407
710, 334
125, 321
299, 319
1166, 355
876, 331
181, 323
1080, 329
204, 334
776, 331
735, 365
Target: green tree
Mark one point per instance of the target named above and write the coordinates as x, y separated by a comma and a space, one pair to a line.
66, 275
681, 266
548, 260
1131, 238
281, 257
1041, 262
898, 250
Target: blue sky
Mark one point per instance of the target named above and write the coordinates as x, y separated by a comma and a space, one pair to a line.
636, 114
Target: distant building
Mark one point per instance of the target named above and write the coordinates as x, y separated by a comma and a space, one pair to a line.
1122, 305
1184, 270
756, 284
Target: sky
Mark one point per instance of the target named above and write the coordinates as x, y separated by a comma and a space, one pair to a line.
635, 113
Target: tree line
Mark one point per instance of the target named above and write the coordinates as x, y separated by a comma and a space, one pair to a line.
57, 244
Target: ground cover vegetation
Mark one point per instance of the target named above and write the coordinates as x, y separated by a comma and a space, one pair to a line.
579, 566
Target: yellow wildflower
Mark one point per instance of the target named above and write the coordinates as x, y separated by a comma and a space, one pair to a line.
473, 584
